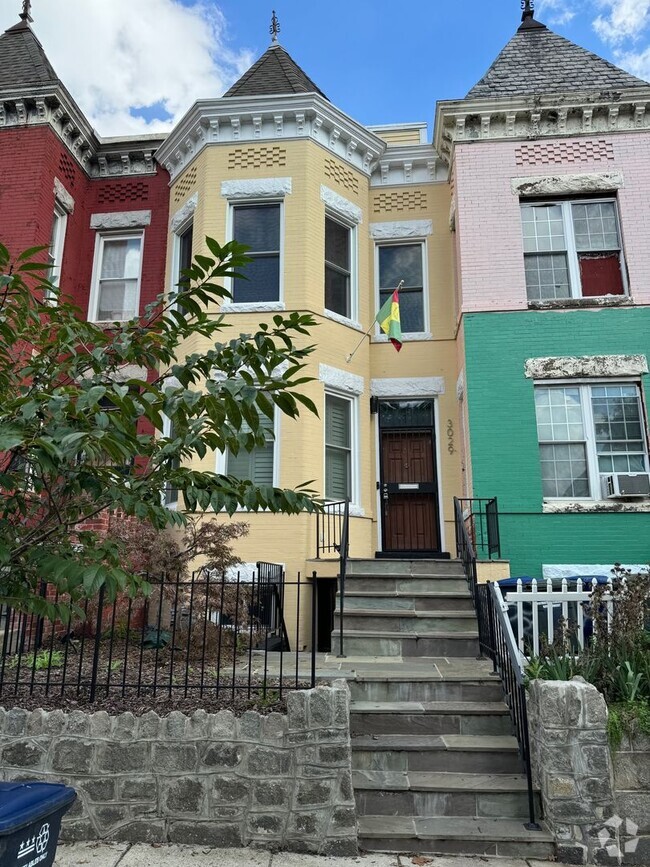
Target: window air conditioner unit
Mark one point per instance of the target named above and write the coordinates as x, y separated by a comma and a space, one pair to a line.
625, 485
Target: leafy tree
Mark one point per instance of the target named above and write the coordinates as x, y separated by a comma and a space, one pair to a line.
82, 422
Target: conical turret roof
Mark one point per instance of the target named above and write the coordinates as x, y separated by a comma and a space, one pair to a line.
23, 63
539, 61
276, 72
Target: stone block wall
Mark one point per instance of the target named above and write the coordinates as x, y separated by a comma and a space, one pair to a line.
597, 803
277, 781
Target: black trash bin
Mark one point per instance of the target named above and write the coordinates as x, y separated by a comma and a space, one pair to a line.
30, 821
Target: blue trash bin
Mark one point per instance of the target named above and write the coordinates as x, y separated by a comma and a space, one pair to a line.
30, 821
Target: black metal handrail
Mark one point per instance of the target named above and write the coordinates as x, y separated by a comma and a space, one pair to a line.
344, 553
329, 528
507, 664
467, 555
481, 517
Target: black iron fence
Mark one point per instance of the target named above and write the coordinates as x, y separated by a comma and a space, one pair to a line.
506, 659
200, 637
481, 517
329, 528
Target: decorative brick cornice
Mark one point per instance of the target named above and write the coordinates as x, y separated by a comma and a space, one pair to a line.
538, 117
240, 120
54, 107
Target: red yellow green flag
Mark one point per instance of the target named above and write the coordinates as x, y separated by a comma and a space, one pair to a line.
389, 321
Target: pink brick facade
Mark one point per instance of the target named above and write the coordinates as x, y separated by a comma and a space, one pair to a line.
488, 221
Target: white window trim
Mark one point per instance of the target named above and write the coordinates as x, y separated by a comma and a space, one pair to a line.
60, 216
379, 336
353, 319
229, 306
176, 253
93, 301
221, 457
355, 474
573, 264
593, 470
166, 432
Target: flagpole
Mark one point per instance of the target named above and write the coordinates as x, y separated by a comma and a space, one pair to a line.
349, 357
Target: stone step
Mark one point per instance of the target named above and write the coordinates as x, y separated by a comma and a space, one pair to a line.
389, 793
410, 622
430, 718
404, 585
454, 836
480, 754
424, 689
439, 600
405, 567
381, 643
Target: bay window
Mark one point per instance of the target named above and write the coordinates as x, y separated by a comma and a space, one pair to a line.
258, 226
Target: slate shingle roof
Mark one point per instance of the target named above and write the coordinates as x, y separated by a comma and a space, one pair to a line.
538, 61
275, 72
22, 60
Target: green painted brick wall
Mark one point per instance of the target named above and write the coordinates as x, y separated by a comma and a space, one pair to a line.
504, 448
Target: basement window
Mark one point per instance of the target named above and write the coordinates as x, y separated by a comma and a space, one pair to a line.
572, 249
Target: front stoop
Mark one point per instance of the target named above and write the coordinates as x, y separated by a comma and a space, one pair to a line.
436, 768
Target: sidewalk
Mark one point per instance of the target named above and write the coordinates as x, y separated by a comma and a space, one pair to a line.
145, 855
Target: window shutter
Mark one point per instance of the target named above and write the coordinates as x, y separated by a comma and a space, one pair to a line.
337, 474
256, 465
338, 422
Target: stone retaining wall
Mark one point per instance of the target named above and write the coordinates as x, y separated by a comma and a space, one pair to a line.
597, 806
281, 782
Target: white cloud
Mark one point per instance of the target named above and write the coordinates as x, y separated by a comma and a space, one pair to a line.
622, 20
115, 56
556, 12
638, 63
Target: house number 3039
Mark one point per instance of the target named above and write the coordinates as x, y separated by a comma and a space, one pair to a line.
450, 437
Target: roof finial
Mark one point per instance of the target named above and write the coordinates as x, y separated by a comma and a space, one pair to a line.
528, 11
274, 29
26, 14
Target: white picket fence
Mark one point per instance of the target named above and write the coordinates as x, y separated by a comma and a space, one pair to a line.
535, 609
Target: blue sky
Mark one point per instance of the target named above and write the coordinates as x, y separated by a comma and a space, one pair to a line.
138, 65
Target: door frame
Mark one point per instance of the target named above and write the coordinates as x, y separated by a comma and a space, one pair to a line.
438, 469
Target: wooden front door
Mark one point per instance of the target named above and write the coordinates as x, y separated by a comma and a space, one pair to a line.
408, 491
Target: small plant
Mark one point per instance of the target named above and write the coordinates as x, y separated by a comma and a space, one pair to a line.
628, 719
44, 659
116, 664
269, 697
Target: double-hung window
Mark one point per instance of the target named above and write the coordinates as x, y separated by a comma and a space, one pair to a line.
116, 290
338, 267
258, 226
182, 258
258, 465
338, 447
403, 262
57, 243
586, 432
572, 249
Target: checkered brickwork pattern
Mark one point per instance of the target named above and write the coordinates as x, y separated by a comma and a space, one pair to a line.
185, 185
263, 157
134, 191
564, 152
342, 176
407, 200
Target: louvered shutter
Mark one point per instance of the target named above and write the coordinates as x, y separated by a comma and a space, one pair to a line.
337, 448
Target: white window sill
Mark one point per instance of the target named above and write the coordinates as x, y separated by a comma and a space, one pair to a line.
409, 337
578, 303
342, 320
253, 307
560, 507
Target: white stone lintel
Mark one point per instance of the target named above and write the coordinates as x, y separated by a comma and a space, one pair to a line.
63, 197
569, 570
424, 386
401, 229
342, 320
341, 206
253, 307
407, 337
588, 366
121, 220
341, 380
257, 188
564, 185
185, 213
